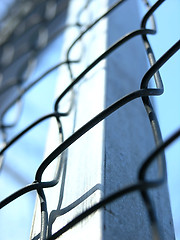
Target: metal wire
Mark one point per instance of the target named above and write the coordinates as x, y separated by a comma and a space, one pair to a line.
26, 28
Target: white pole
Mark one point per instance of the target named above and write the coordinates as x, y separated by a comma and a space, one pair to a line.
107, 157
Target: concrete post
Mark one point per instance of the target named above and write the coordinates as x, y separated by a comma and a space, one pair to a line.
108, 157
128, 135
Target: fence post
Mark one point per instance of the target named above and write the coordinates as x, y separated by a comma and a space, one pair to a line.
128, 135
107, 158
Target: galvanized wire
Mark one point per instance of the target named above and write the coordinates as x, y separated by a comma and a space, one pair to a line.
37, 32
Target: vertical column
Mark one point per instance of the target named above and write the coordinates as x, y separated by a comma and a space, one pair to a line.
106, 158
128, 136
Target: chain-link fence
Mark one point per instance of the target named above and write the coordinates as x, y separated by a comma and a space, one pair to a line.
27, 29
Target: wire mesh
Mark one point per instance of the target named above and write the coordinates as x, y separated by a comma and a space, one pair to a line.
28, 28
